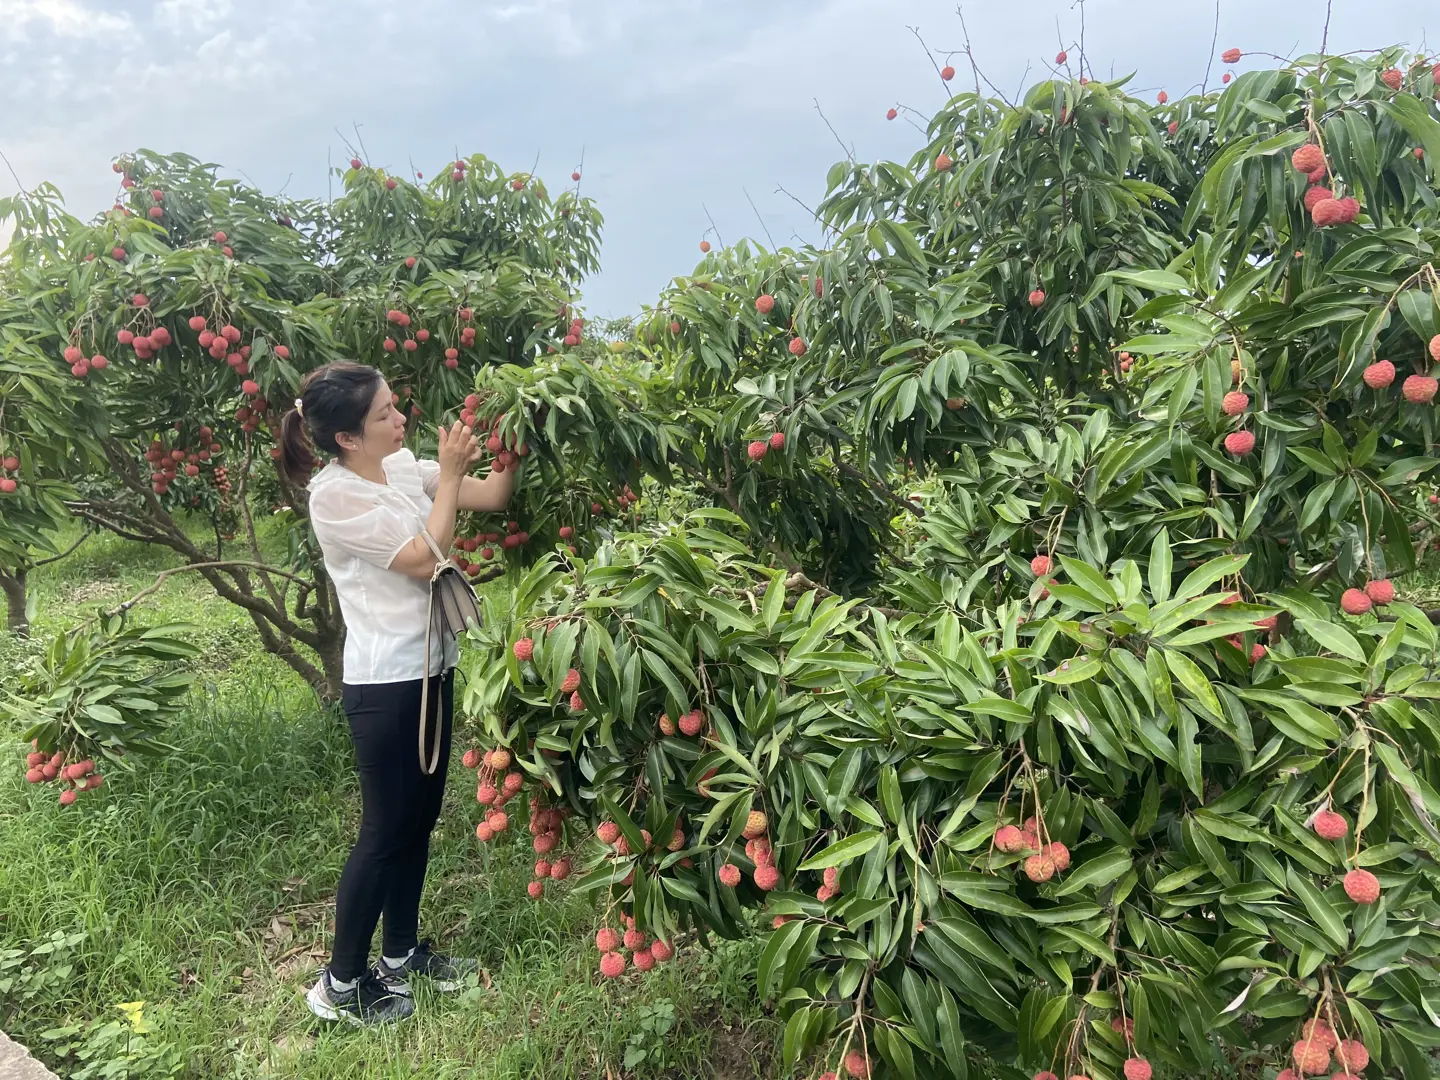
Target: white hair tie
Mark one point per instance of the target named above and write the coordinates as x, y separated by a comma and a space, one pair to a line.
299, 408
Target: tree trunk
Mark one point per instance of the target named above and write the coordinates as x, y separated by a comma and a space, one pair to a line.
13, 585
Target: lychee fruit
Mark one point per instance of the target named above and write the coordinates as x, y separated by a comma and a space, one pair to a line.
1061, 57
1319, 1032
643, 959
1039, 868
797, 346
1435, 348
524, 649
612, 965
1059, 855
1240, 443
947, 73
1329, 825
1380, 591
891, 114
1392, 78
1419, 389
1009, 839
571, 683
692, 723
1037, 298
1310, 1057
1234, 403
536, 889
1362, 886
1307, 158
666, 725
729, 875
704, 247
1162, 97
1040, 565
1137, 1068
1352, 1054
67, 797
661, 951
777, 440
1354, 602
755, 825
1317, 194
1257, 653
560, 870
943, 161
857, 1066
1379, 374
1231, 56
765, 303
1327, 212
577, 703
767, 877
757, 449
607, 832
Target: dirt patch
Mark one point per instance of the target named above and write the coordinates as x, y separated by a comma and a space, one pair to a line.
89, 591
741, 1050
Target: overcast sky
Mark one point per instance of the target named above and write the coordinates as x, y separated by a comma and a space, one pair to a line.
679, 105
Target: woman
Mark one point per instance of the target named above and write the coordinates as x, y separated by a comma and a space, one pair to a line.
368, 506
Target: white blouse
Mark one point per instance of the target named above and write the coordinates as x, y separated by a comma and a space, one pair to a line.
361, 526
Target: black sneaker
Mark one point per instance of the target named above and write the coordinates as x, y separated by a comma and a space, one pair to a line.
446, 972
366, 1003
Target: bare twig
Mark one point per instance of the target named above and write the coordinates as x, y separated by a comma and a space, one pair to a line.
56, 558
773, 246
1210, 61
930, 56
848, 152
1325, 34
713, 227
160, 579
802, 206
18, 184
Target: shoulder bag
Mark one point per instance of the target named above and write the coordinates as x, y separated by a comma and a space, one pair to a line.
453, 605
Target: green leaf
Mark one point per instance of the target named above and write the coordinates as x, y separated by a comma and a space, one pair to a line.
1097, 871
843, 851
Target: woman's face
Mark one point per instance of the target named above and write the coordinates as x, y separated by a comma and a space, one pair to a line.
384, 431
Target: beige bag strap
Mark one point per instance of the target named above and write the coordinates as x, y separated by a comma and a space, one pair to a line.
441, 562
434, 762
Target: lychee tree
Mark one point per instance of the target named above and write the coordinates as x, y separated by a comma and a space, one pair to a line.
1129, 737
212, 299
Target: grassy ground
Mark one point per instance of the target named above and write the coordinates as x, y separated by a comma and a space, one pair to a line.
203, 886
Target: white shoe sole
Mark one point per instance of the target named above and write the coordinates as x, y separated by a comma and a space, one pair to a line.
323, 1009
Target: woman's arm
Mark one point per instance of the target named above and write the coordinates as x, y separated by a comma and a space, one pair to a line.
487, 495
459, 449
416, 559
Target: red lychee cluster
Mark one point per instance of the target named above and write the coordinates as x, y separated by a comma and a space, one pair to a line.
1313, 1051
644, 953
758, 448
166, 462
43, 768
10, 464
575, 334
496, 787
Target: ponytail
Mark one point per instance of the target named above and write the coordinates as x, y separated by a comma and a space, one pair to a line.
297, 455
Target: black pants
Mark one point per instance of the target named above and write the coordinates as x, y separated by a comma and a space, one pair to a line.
399, 807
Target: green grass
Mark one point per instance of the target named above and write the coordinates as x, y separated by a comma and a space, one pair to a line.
203, 885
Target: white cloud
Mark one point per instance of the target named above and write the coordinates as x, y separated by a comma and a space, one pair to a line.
199, 16
66, 18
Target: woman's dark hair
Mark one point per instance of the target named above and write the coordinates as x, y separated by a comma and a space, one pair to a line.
333, 398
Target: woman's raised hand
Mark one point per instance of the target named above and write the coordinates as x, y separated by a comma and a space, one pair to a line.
459, 449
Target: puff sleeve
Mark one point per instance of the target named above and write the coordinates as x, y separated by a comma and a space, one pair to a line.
357, 523
429, 475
